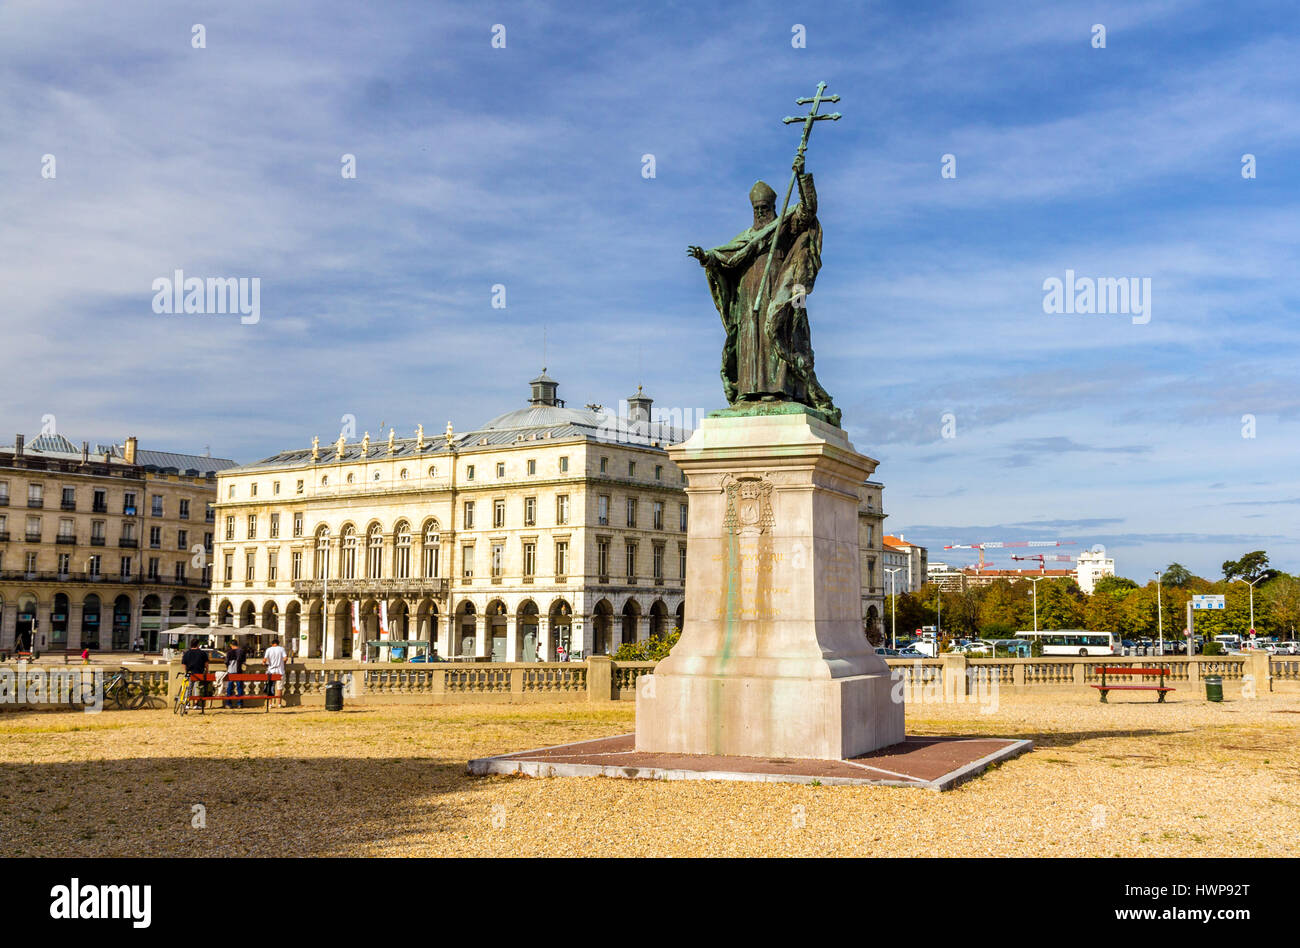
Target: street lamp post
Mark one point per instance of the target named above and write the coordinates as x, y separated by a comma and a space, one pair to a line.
1036, 580
1251, 583
893, 608
1160, 620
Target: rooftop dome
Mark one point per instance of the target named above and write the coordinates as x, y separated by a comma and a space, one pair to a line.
544, 416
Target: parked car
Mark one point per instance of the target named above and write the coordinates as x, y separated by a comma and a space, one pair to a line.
422, 657
887, 652
909, 652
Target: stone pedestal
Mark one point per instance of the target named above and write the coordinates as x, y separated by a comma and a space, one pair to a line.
772, 661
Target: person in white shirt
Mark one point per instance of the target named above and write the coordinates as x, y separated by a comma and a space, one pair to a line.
275, 658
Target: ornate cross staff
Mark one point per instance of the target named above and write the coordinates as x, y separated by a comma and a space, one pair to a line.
808, 121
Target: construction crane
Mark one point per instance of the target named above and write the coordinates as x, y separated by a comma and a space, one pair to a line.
1000, 545
1042, 559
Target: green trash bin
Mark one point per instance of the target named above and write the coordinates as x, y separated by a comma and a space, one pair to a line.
1213, 687
334, 696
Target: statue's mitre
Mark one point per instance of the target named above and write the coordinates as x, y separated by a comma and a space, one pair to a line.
760, 193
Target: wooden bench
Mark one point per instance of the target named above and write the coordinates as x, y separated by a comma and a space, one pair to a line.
251, 679
1161, 689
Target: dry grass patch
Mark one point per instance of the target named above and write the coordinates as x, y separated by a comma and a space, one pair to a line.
1128, 778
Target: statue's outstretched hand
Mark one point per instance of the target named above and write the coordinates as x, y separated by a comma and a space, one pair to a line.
698, 253
797, 167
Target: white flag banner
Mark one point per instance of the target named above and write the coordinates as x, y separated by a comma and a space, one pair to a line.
356, 617
383, 620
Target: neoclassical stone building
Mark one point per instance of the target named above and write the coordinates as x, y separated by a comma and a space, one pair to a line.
99, 548
544, 527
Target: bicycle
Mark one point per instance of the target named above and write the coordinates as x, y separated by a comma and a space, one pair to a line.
184, 699
120, 692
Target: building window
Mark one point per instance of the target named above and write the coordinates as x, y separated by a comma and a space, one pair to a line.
348, 554
275, 488
185, 510
402, 551
182, 537
65, 563
128, 503
126, 566
530, 511
297, 524
155, 538
153, 568
658, 563
498, 556
564, 464
4, 492
250, 567
69, 500
631, 468
431, 550
298, 488
658, 515
602, 510
99, 503
156, 505
296, 560
404, 474
681, 517
681, 562
467, 561
96, 528
498, 513
530, 561
532, 467
272, 565
659, 472
631, 511
67, 529
252, 491
501, 468
561, 559
562, 508
252, 526
322, 554
469, 472
604, 465
275, 526
630, 550
94, 566
209, 513
374, 552
180, 572
35, 495
433, 471
230, 527
230, 492
468, 519
602, 561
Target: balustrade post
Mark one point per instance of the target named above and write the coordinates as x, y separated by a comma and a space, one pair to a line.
1256, 665
600, 678
954, 676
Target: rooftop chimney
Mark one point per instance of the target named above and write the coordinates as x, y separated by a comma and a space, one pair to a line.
638, 406
129, 455
18, 445
85, 452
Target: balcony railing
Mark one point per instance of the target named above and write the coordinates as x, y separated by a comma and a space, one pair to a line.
4, 500
35, 503
54, 576
4, 536
33, 538
128, 543
97, 541
68, 505
435, 588
66, 539
99, 508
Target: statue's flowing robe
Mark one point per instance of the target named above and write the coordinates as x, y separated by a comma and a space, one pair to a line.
769, 355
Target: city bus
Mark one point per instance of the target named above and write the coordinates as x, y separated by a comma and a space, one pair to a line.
1072, 641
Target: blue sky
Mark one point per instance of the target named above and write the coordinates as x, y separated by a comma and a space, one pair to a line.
522, 166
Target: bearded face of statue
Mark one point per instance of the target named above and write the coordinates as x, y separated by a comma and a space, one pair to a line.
764, 213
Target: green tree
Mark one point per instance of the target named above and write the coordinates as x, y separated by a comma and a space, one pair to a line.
1281, 598
1060, 604
1251, 567
1004, 608
1116, 586
1176, 574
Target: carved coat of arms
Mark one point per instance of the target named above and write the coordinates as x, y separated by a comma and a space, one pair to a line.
749, 504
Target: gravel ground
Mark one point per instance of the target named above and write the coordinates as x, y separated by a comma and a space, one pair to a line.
1131, 778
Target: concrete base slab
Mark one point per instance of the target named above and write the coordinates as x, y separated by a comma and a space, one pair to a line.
930, 763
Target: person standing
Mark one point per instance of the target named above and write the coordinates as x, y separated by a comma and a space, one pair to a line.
275, 663
235, 659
